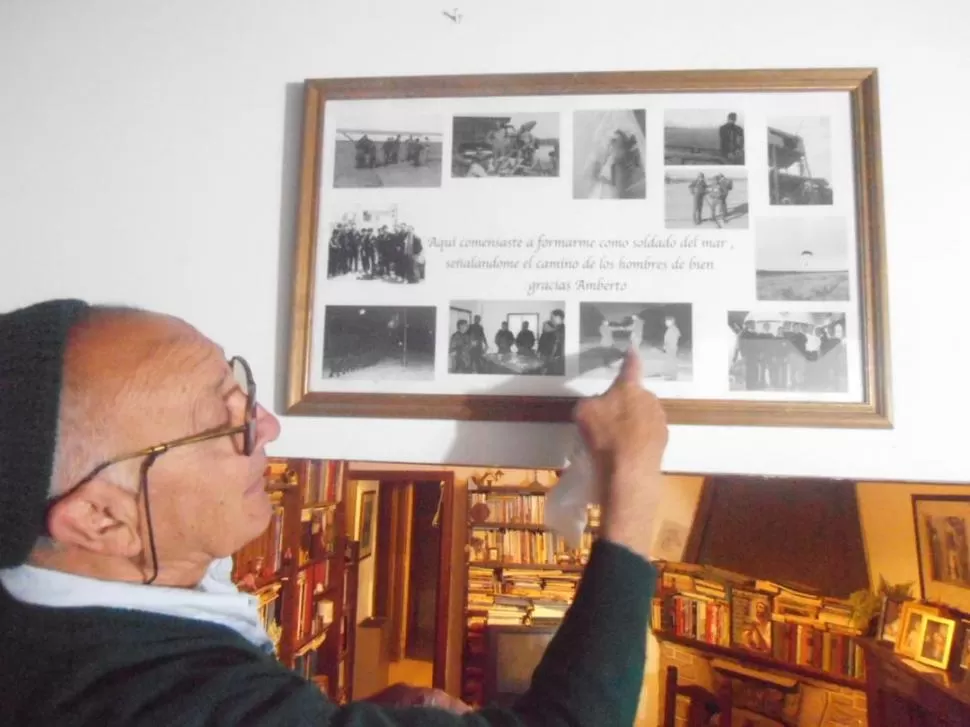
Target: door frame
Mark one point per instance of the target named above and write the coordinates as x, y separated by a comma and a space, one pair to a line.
444, 615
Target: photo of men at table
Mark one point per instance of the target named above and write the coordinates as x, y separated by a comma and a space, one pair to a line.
507, 337
787, 351
661, 332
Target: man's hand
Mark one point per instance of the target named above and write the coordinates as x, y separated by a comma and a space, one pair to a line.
404, 695
625, 431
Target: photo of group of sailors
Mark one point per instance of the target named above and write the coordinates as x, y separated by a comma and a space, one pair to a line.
787, 351
375, 245
507, 337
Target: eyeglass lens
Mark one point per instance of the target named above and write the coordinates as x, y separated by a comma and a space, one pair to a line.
244, 379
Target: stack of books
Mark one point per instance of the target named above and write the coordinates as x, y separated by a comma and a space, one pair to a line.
508, 611
547, 612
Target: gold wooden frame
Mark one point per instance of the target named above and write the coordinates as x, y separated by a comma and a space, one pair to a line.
951, 627
861, 85
909, 609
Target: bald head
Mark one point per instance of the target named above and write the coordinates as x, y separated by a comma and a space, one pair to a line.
115, 359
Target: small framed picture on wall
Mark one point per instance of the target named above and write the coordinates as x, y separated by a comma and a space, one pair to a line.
942, 525
365, 523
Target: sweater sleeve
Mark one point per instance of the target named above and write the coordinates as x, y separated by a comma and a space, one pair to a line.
590, 675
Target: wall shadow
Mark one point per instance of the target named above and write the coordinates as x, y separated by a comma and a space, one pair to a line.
465, 449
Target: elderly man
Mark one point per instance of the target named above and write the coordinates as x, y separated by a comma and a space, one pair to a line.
131, 467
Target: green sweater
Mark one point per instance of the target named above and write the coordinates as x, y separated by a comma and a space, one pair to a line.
104, 666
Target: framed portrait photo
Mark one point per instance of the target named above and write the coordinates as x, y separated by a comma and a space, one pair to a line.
912, 620
936, 641
942, 525
890, 619
366, 523
491, 247
964, 640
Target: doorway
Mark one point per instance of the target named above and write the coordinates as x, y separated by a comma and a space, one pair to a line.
409, 599
425, 565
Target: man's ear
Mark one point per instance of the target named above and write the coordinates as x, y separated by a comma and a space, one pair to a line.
98, 517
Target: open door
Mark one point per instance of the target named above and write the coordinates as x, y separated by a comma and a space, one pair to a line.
402, 504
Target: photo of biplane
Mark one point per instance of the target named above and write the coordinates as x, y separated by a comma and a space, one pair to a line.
387, 154
790, 178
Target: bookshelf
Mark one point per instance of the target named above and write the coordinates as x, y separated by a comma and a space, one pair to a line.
768, 624
519, 574
304, 571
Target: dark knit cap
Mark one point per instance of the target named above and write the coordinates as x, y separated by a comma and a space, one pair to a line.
32, 345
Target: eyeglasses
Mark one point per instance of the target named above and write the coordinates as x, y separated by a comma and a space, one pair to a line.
244, 436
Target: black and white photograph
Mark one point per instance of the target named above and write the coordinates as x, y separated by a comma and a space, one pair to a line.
374, 245
706, 198
381, 145
802, 258
660, 332
513, 145
608, 154
507, 337
379, 343
800, 160
787, 351
701, 136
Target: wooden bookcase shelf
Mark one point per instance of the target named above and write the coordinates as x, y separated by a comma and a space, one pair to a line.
499, 565
303, 559
768, 662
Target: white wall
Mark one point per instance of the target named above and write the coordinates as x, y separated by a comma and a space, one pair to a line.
149, 156
886, 513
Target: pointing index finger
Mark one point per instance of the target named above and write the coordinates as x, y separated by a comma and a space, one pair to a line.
631, 372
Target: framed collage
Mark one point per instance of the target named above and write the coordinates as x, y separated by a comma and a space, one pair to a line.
489, 247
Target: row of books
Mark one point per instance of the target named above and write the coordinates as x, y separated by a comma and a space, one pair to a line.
322, 486
835, 652
524, 546
307, 664
789, 623
318, 533
315, 610
262, 557
528, 509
